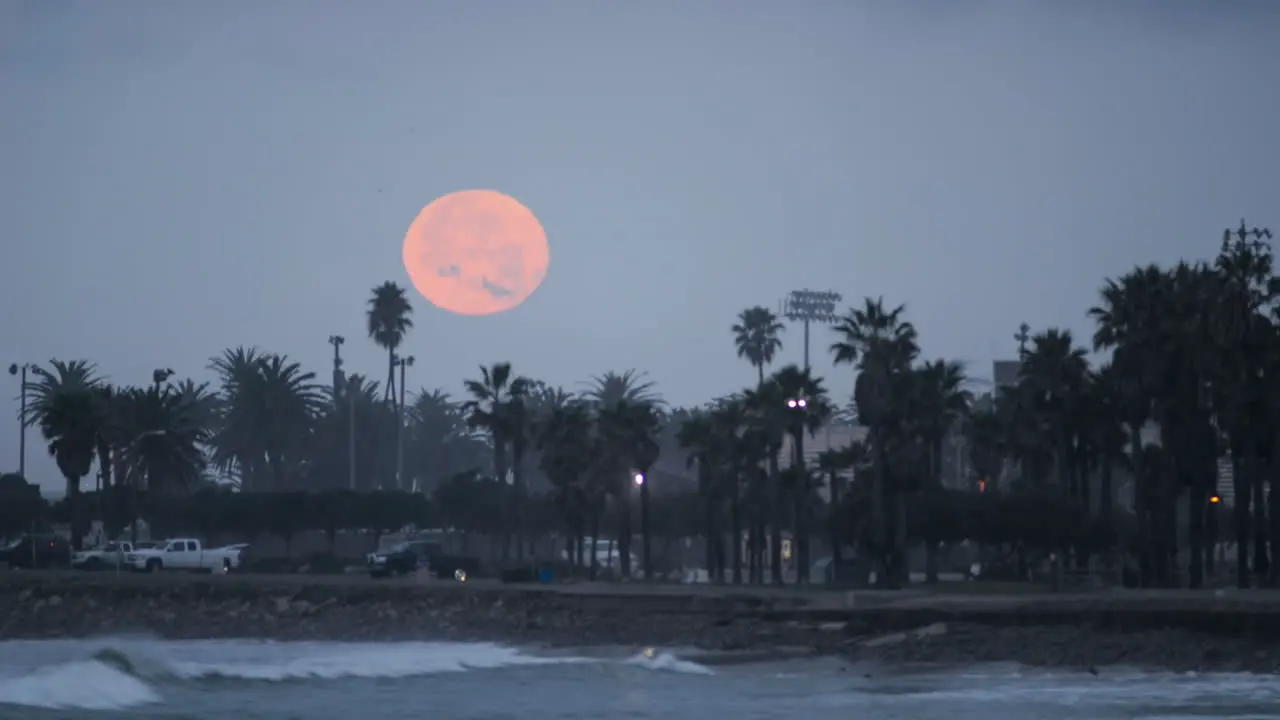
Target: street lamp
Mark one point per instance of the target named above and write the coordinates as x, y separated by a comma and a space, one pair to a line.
638, 479
401, 362
797, 403
160, 375
16, 369
336, 341
810, 306
133, 486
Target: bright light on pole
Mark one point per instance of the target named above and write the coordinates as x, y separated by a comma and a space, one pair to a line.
638, 479
810, 306
797, 403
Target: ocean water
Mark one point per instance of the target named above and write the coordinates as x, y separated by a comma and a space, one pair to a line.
149, 678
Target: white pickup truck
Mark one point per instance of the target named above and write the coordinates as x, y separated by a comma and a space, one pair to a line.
111, 555
184, 554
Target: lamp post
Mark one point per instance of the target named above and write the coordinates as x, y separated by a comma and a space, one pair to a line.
401, 362
336, 341
133, 485
21, 371
641, 483
160, 375
798, 407
810, 306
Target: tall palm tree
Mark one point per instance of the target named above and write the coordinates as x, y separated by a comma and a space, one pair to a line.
756, 337
165, 434
881, 344
564, 441
497, 407
942, 403
697, 436
63, 403
807, 410
389, 320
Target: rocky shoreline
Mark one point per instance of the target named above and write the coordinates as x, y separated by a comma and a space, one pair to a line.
725, 629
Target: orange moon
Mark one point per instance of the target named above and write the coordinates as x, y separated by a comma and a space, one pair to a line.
476, 252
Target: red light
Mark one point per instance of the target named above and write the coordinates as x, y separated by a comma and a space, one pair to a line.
982, 486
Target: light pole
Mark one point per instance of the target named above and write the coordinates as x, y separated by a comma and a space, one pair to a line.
336, 341
133, 485
642, 483
401, 362
351, 433
160, 375
810, 306
1022, 336
799, 407
21, 370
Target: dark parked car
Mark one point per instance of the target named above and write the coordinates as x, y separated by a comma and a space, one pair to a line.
36, 551
403, 559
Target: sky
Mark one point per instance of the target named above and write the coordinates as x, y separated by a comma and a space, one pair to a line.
180, 178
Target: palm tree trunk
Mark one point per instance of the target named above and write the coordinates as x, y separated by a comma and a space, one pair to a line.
1198, 504
879, 511
1261, 558
646, 556
389, 393
833, 536
1240, 481
735, 520
930, 542
775, 522
1273, 524
801, 507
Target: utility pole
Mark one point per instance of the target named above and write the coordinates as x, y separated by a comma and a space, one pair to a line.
401, 362
351, 436
810, 306
336, 341
16, 369
1022, 336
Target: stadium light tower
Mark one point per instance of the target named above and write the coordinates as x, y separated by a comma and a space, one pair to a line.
810, 306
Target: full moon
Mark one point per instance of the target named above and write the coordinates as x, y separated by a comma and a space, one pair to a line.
476, 252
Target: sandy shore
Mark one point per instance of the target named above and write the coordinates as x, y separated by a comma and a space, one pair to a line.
1172, 629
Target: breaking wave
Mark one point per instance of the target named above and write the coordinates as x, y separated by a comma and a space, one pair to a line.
124, 674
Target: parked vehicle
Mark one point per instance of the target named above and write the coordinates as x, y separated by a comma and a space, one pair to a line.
403, 558
112, 555
184, 554
36, 551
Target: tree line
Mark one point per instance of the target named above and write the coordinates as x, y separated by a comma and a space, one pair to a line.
1128, 449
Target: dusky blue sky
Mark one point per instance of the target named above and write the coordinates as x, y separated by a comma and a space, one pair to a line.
178, 178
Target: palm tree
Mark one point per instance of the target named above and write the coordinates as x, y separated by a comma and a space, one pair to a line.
636, 427
628, 386
268, 406
882, 346
165, 436
696, 436
807, 410
756, 337
564, 441
389, 321
63, 403
941, 404
497, 407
